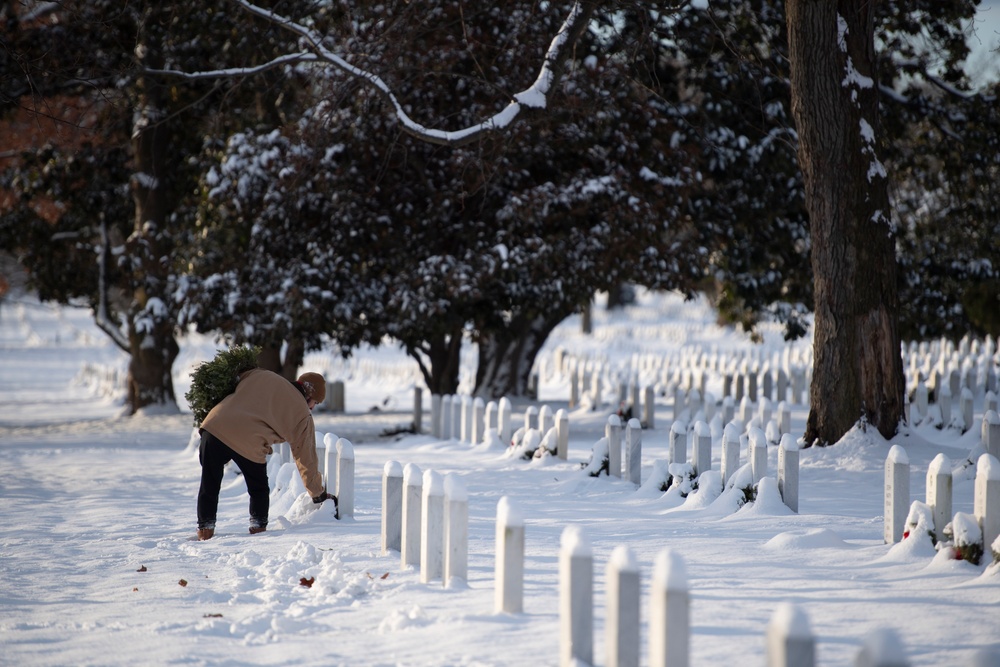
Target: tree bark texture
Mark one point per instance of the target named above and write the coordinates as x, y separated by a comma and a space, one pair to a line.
857, 368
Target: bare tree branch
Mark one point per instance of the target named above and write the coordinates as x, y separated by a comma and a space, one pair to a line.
533, 97
280, 61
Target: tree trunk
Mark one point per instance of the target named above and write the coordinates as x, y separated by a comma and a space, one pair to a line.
439, 362
857, 371
507, 355
152, 344
288, 368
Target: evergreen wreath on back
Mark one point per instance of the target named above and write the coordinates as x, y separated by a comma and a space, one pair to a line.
213, 380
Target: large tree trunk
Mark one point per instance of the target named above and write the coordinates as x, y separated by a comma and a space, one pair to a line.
152, 344
507, 355
857, 372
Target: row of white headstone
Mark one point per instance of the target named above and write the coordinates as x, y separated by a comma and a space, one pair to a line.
425, 517
427, 522
789, 638
986, 498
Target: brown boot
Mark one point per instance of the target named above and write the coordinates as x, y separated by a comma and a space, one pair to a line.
205, 533
257, 529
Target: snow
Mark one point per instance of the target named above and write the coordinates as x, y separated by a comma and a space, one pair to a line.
99, 521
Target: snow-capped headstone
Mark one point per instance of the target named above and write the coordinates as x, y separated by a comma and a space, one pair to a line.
432, 528
798, 385
490, 418
418, 410
622, 608
530, 418
345, 477
921, 398
678, 443
576, 599
436, 417
562, 430
986, 504
965, 403
465, 403
504, 429
939, 493
613, 432
679, 400
766, 384
701, 451
897, 494
446, 405
456, 416
321, 455
392, 506
509, 567
478, 420
456, 532
330, 456
788, 471
335, 396
545, 419
757, 454
764, 409
790, 642
670, 612
881, 648
730, 451
784, 418
412, 510
728, 409
944, 404
633, 451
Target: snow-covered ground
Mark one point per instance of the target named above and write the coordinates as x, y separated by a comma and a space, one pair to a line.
98, 565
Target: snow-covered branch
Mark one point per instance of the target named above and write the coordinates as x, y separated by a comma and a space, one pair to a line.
280, 61
533, 97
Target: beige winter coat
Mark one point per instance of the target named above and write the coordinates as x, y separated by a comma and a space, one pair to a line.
264, 410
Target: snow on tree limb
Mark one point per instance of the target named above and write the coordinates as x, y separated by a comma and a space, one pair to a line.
534, 97
288, 59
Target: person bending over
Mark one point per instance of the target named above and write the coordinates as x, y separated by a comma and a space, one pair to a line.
264, 410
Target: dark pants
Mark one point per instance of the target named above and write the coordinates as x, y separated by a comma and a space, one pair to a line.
214, 455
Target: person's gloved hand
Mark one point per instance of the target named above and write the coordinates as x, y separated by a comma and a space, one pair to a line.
329, 496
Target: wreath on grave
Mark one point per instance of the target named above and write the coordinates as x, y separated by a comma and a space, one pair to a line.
213, 380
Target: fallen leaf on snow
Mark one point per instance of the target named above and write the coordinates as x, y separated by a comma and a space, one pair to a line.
211, 615
141, 569
384, 576
183, 582
307, 582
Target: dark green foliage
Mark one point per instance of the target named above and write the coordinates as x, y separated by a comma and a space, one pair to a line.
213, 380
